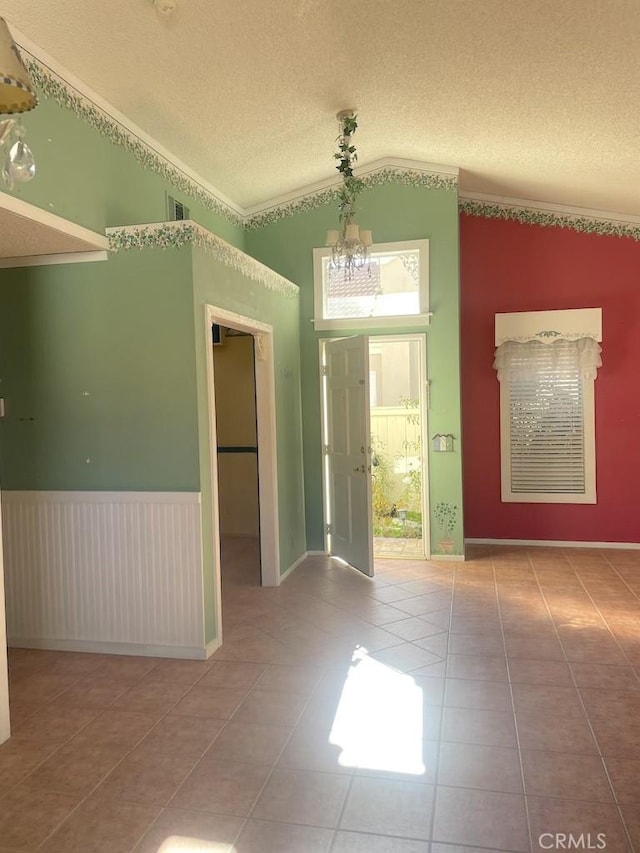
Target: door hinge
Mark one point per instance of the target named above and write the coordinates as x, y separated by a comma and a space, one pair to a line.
325, 449
324, 370
328, 529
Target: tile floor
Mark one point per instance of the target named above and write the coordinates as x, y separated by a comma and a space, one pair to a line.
439, 708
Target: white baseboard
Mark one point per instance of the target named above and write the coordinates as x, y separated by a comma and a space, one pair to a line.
294, 565
451, 558
90, 646
317, 553
212, 647
553, 543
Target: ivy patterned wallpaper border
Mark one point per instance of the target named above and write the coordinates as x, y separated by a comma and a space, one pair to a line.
385, 175
546, 219
57, 89
52, 86
175, 235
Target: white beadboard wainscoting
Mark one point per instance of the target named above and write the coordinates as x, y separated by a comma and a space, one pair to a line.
117, 572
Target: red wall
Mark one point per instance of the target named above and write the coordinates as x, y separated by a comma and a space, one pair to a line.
506, 266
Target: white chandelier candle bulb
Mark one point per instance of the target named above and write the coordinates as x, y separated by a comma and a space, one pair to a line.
352, 231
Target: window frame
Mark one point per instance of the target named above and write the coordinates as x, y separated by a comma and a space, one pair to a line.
589, 495
322, 323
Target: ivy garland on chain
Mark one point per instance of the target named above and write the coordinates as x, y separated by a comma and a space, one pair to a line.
347, 156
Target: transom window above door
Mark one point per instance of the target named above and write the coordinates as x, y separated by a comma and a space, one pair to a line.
390, 289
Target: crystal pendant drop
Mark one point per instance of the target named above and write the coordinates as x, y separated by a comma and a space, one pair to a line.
21, 165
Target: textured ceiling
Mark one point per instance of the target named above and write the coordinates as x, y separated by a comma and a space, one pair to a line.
534, 99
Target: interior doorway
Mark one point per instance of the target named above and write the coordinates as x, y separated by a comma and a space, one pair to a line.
265, 416
374, 427
237, 456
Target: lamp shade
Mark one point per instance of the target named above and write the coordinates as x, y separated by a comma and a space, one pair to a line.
352, 232
17, 94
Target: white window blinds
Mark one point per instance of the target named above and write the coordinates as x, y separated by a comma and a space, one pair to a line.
547, 418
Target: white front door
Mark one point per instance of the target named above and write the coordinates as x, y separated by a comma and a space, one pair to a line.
348, 451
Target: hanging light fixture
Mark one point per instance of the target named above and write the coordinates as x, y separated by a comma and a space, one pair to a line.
17, 95
349, 244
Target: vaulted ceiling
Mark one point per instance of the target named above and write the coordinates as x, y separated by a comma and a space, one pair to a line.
533, 99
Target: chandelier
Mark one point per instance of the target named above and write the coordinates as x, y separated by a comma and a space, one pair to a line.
349, 244
17, 95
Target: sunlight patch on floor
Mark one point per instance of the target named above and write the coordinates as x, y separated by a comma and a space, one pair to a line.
379, 720
182, 844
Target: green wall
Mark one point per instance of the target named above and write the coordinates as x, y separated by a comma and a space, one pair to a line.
84, 177
97, 363
102, 365
395, 212
103, 371
219, 285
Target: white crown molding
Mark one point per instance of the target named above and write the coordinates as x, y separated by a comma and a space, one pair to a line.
50, 67
551, 207
362, 171
376, 173
583, 219
58, 83
410, 166
175, 235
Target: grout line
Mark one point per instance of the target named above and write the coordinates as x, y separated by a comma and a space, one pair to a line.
436, 776
614, 799
513, 705
110, 707
286, 605
343, 807
226, 723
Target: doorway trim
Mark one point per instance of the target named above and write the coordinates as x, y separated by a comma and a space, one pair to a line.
266, 441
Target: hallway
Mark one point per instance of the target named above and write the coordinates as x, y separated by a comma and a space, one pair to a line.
438, 708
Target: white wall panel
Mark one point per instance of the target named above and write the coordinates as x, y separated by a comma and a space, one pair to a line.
100, 568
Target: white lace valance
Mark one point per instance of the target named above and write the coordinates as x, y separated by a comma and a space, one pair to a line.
527, 360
